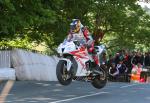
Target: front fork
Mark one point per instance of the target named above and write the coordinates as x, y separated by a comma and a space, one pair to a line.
69, 63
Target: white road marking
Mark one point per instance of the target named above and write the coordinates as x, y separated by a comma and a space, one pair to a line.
129, 85
84, 96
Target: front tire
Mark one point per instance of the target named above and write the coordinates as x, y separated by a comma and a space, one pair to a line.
63, 76
100, 80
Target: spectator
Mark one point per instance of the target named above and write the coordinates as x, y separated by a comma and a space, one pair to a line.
127, 61
138, 58
120, 69
147, 59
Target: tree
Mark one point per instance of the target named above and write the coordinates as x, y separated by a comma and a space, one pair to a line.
21, 18
118, 23
122, 19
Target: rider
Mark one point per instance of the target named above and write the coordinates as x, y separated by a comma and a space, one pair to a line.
80, 33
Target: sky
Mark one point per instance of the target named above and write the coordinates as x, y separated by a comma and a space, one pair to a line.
143, 4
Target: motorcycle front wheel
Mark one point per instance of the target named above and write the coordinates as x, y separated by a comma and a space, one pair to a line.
100, 80
63, 76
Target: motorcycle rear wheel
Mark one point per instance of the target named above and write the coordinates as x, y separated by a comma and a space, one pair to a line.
99, 81
63, 76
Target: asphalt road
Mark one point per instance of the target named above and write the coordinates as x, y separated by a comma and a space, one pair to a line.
77, 92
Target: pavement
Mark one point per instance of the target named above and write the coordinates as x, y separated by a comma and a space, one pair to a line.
76, 92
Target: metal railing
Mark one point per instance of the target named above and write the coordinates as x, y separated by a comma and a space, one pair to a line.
5, 58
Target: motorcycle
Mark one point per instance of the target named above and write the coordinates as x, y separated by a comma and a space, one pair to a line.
76, 64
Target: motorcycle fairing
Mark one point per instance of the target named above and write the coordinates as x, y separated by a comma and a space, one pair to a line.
81, 56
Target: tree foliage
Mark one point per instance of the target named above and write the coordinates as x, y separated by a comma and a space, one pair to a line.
123, 23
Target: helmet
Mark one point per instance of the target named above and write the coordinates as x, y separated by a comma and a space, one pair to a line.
75, 26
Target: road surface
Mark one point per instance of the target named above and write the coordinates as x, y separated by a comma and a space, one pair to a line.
77, 92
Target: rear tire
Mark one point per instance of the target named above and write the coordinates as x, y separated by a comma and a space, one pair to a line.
100, 81
63, 76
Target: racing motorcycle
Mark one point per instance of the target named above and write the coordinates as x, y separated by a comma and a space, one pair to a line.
76, 64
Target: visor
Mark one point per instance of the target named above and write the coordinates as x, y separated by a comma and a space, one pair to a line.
73, 27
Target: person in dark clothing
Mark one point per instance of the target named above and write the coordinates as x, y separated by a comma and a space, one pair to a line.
127, 62
117, 58
147, 59
138, 58
120, 69
110, 61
